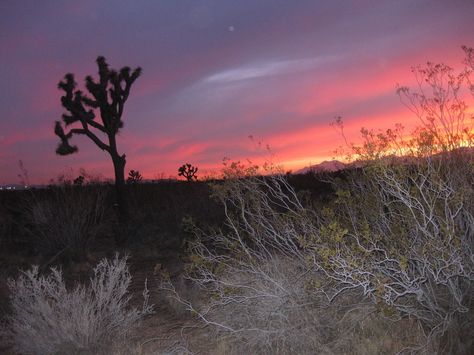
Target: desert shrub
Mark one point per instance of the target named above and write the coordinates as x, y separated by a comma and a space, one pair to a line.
261, 290
401, 227
280, 278
403, 235
47, 318
254, 284
66, 219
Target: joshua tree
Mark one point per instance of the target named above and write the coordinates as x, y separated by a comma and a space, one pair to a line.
188, 171
79, 181
134, 177
24, 179
109, 95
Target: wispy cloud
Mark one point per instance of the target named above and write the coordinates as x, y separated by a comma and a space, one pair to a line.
272, 68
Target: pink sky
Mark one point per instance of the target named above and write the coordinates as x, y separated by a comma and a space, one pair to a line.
215, 72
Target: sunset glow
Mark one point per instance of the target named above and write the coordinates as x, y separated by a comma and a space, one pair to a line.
215, 73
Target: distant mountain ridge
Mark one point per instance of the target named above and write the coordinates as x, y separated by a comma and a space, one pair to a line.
325, 166
336, 165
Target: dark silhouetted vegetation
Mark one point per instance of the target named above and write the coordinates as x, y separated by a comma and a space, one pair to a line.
109, 94
188, 171
79, 181
134, 177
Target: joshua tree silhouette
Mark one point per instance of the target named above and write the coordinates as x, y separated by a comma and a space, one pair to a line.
109, 95
79, 181
188, 171
134, 177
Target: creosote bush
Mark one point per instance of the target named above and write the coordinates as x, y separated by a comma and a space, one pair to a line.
48, 318
401, 227
261, 290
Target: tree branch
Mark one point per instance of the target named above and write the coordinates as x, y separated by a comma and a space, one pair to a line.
91, 135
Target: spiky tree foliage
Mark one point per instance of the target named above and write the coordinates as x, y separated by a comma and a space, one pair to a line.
188, 172
134, 177
108, 96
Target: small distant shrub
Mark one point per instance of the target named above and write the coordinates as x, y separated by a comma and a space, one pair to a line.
188, 171
23, 176
48, 318
77, 178
79, 181
134, 177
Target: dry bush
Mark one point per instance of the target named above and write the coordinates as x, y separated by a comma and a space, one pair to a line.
403, 235
401, 228
280, 278
66, 219
47, 318
251, 294
260, 290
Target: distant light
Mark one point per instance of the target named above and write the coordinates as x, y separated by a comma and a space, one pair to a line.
231, 28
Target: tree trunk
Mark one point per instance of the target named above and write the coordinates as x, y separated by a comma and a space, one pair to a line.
120, 199
119, 169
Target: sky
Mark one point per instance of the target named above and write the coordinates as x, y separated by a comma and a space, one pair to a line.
221, 79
